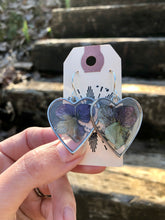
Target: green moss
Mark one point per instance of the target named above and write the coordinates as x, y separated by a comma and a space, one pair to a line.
5, 3
2, 34
14, 23
67, 3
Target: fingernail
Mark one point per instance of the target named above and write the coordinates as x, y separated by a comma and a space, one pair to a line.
69, 214
66, 156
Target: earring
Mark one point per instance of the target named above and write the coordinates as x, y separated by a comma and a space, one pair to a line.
70, 119
117, 121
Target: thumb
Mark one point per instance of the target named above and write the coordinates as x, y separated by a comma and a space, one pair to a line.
37, 167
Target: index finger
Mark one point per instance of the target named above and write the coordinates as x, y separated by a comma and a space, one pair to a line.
19, 144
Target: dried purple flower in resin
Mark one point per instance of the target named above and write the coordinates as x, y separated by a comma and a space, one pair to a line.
126, 116
117, 123
105, 111
72, 120
63, 110
83, 112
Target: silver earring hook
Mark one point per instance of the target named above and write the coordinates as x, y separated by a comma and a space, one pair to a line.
114, 83
74, 97
73, 76
115, 97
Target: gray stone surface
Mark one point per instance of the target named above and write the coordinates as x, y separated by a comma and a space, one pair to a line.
23, 66
81, 3
121, 193
148, 153
140, 20
141, 57
152, 99
151, 159
32, 98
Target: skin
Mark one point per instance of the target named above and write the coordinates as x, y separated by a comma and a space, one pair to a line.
36, 158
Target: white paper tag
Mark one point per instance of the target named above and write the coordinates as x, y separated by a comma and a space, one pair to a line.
92, 64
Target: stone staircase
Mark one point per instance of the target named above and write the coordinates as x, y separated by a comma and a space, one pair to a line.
82, 3
135, 29
141, 57
142, 19
120, 193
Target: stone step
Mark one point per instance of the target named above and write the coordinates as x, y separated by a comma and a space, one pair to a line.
149, 159
148, 153
141, 57
120, 193
30, 100
82, 3
140, 20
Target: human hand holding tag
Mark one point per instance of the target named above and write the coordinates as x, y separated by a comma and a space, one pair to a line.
35, 158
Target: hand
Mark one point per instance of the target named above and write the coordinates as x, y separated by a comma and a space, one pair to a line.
35, 158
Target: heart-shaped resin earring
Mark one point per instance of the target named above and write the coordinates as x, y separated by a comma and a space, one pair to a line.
70, 120
117, 121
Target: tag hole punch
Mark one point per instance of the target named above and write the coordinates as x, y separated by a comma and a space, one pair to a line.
90, 61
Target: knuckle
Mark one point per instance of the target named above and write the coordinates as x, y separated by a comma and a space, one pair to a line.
27, 134
5, 162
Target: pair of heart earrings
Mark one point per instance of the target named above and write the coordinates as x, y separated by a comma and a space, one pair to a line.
117, 121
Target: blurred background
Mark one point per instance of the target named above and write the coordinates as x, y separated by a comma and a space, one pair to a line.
35, 39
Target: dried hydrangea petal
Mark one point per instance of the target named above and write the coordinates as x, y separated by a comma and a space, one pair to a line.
65, 109
105, 111
114, 134
71, 121
80, 130
83, 112
126, 115
117, 123
62, 127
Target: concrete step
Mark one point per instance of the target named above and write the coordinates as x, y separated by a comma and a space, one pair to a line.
82, 3
30, 101
140, 20
150, 159
148, 153
141, 57
120, 193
